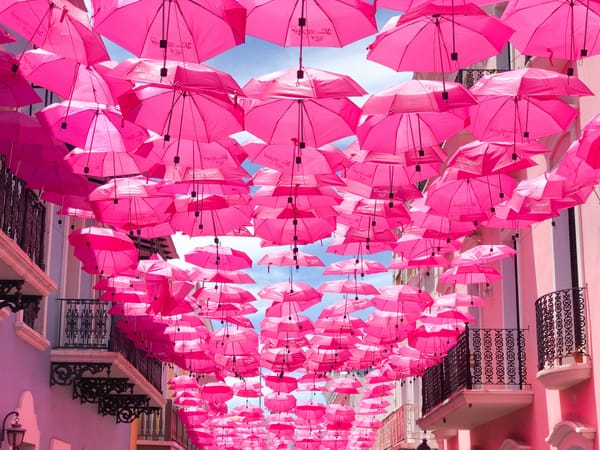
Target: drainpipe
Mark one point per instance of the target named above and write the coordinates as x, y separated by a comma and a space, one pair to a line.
519, 337
577, 298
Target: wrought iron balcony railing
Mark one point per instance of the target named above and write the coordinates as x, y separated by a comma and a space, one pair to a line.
482, 357
86, 324
561, 327
468, 77
22, 214
165, 426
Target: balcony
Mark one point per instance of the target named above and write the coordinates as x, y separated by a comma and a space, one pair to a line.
23, 280
163, 430
563, 359
102, 365
399, 430
482, 378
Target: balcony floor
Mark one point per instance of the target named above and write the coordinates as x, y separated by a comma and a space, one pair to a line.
468, 409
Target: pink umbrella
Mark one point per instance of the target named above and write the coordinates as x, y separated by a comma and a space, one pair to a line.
530, 82
343, 385
67, 77
155, 153
401, 133
216, 392
217, 256
344, 307
281, 383
419, 96
402, 293
293, 257
318, 199
285, 291
470, 274
184, 30
57, 26
471, 199
22, 128
310, 22
554, 29
310, 410
484, 158
287, 326
102, 162
348, 286
518, 119
130, 203
280, 402
452, 37
437, 226
312, 122
91, 126
247, 389
314, 83
290, 159
418, 262
198, 115
414, 244
285, 226
270, 177
589, 141
354, 266
15, 91
457, 299
483, 254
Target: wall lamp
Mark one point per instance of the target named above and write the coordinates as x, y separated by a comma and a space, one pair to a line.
13, 434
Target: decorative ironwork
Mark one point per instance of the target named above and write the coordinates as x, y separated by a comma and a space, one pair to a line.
22, 214
11, 296
468, 77
84, 324
126, 408
164, 425
92, 390
65, 373
560, 326
481, 357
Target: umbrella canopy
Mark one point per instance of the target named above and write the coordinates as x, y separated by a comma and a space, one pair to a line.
315, 83
181, 30
310, 22
439, 38
554, 29
57, 26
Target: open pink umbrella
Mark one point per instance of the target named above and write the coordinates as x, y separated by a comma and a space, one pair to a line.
554, 29
457, 300
290, 258
354, 266
15, 91
216, 256
68, 77
310, 22
57, 26
130, 203
479, 158
419, 96
470, 274
315, 83
155, 153
471, 199
312, 122
290, 159
22, 128
518, 119
102, 163
483, 254
179, 113
348, 286
288, 226
91, 126
439, 38
280, 402
181, 30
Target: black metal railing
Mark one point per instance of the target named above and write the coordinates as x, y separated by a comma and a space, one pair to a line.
86, 324
164, 425
481, 357
30, 314
561, 328
22, 214
468, 77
